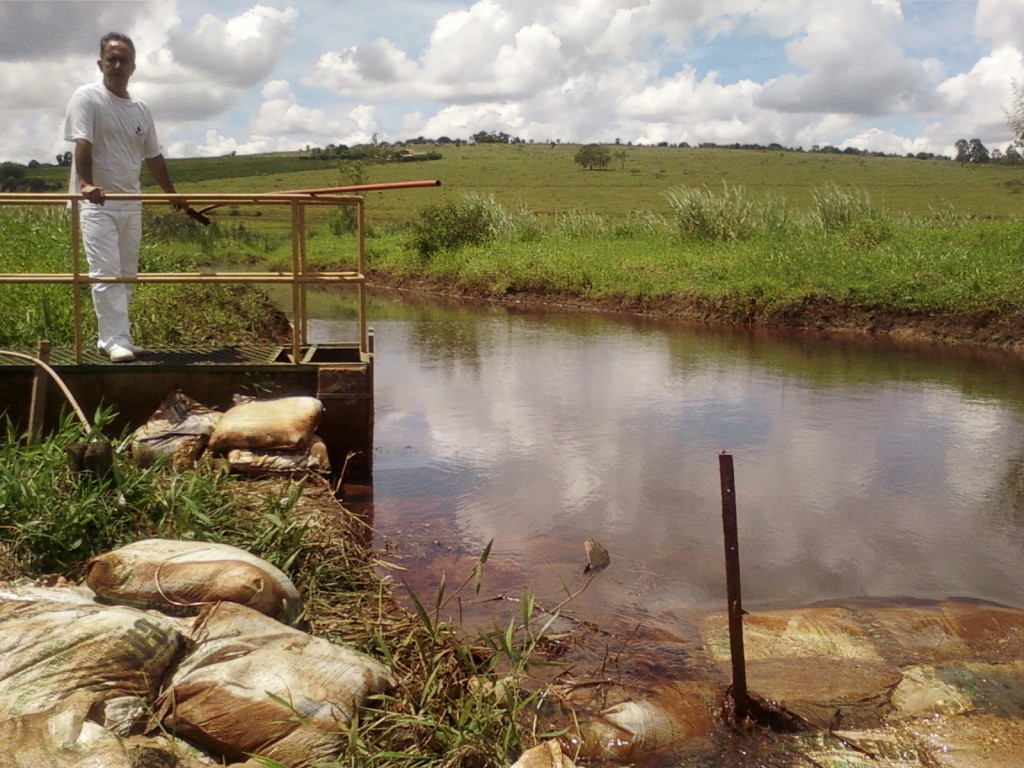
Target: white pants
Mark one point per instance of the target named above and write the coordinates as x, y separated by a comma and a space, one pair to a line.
112, 234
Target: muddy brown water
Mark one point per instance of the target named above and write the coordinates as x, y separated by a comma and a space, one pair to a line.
871, 471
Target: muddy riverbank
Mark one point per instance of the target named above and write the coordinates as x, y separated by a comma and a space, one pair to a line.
1003, 330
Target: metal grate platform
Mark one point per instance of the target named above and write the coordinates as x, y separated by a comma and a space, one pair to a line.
166, 357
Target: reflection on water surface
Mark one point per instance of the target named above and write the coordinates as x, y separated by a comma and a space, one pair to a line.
863, 468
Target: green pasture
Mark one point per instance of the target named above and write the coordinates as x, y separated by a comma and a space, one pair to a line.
545, 179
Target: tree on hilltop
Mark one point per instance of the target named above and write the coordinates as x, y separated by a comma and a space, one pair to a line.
593, 156
972, 151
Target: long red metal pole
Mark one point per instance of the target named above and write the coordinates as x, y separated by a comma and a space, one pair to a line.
351, 189
364, 187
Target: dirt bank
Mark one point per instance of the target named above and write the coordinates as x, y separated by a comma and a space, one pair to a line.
990, 328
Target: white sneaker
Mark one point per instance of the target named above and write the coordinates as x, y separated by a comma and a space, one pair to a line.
119, 354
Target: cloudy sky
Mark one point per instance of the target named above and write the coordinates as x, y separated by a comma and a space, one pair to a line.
231, 75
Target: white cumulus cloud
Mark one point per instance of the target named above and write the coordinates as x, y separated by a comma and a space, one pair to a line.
239, 51
224, 73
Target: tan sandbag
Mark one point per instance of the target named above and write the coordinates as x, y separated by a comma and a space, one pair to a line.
637, 728
61, 737
253, 687
65, 737
313, 459
182, 576
546, 755
49, 651
286, 423
807, 633
177, 432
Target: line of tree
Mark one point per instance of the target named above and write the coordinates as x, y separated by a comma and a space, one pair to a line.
14, 177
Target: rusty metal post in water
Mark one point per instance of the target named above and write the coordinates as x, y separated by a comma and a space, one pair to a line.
732, 586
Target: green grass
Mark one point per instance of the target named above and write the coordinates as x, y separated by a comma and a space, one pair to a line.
37, 240
546, 180
741, 228
447, 710
737, 251
53, 520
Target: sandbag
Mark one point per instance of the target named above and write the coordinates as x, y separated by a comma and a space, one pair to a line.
65, 737
28, 591
51, 650
61, 737
286, 423
182, 576
313, 459
548, 754
638, 728
177, 432
251, 686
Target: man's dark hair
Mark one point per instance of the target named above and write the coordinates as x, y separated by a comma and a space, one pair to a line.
111, 36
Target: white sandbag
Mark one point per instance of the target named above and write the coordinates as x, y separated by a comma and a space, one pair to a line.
49, 651
182, 576
66, 737
253, 687
27, 591
313, 459
177, 432
61, 737
286, 423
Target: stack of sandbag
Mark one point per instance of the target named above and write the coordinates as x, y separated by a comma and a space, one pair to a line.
177, 432
272, 436
179, 577
252, 686
51, 650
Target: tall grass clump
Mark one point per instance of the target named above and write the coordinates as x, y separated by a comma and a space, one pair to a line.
580, 225
837, 210
640, 225
707, 216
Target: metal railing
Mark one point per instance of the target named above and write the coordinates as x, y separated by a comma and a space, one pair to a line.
299, 277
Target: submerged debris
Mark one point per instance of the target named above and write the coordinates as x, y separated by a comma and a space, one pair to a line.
597, 556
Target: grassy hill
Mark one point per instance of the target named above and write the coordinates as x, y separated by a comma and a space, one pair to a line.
545, 179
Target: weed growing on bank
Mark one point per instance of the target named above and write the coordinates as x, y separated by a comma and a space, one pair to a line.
460, 700
53, 519
733, 249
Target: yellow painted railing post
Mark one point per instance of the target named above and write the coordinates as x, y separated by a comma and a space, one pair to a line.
76, 273
361, 269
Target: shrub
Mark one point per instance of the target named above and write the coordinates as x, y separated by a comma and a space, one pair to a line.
451, 225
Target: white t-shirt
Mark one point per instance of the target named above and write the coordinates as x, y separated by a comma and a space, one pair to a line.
121, 132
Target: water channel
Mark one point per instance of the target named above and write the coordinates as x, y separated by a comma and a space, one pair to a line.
865, 468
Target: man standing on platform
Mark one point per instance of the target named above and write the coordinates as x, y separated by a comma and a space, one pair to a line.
113, 135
